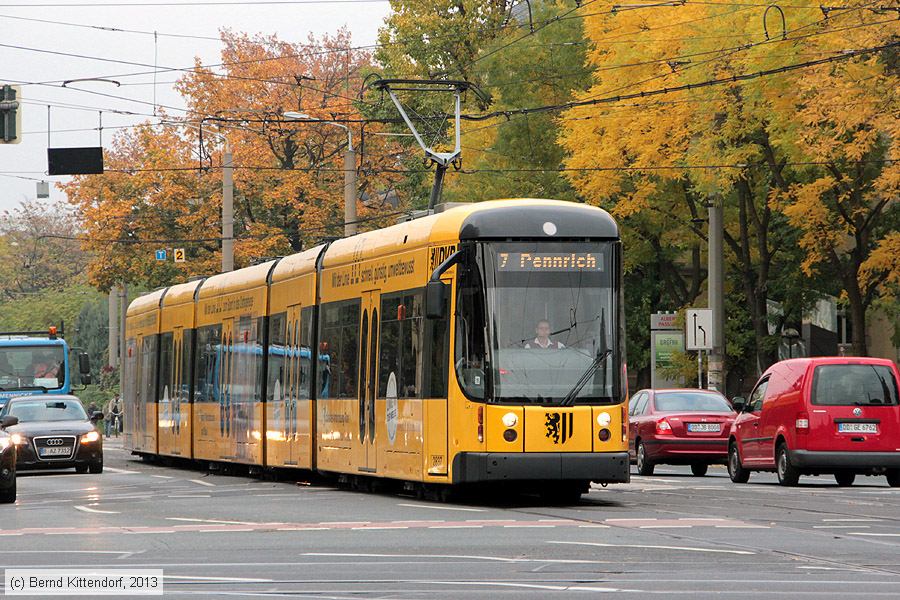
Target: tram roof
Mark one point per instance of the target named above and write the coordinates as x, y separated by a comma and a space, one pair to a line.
296, 264
493, 219
183, 293
146, 303
236, 281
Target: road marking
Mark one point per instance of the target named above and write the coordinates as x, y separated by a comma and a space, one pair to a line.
532, 586
851, 520
303, 528
222, 530
162, 476
344, 522
875, 534
96, 510
210, 521
593, 526
456, 527
459, 508
665, 526
374, 527
529, 526
654, 547
234, 579
201, 482
840, 526
121, 471
188, 496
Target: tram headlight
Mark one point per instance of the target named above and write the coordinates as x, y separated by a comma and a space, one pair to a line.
604, 435
603, 419
510, 435
510, 419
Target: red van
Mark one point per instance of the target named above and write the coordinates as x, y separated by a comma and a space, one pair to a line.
812, 416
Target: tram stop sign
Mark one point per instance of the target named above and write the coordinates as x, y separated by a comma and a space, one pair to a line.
161, 255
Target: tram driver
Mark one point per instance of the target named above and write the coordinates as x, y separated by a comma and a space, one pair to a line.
543, 341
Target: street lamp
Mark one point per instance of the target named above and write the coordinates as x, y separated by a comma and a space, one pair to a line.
349, 171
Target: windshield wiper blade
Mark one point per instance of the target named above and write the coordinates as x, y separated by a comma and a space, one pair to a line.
585, 377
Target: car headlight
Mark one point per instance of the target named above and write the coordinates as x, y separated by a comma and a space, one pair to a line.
89, 437
17, 439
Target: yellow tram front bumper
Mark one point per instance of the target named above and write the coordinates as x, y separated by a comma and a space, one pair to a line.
605, 467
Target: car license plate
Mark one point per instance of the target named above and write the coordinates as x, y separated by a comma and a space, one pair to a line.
857, 428
61, 451
704, 427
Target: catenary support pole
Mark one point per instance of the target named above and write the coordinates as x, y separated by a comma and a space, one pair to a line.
227, 211
113, 339
349, 191
716, 363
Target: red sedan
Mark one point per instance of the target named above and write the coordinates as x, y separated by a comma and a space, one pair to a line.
679, 427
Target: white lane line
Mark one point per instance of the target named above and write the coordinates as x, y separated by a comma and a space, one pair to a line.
162, 476
665, 526
742, 527
871, 534
66, 551
211, 521
654, 547
840, 526
188, 496
531, 586
121, 471
229, 579
455, 526
851, 520
593, 526
201, 482
529, 526
96, 510
420, 521
459, 508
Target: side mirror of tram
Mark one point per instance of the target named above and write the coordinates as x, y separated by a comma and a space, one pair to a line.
436, 293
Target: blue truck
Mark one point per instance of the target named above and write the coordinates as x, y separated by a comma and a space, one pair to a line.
38, 362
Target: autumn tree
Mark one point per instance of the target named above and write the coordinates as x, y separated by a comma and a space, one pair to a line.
163, 182
38, 250
740, 143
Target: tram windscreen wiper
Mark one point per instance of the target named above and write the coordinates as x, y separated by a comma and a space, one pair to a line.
585, 377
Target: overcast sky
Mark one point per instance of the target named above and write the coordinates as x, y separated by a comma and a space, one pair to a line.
290, 21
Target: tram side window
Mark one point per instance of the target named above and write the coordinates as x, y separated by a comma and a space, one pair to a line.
129, 373
412, 348
306, 351
208, 340
470, 327
340, 341
276, 354
149, 369
187, 348
166, 348
259, 376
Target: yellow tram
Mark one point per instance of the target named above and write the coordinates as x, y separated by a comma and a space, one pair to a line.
484, 343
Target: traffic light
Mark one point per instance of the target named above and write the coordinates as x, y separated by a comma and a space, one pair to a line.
10, 115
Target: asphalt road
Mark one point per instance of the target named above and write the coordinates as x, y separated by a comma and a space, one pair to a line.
671, 534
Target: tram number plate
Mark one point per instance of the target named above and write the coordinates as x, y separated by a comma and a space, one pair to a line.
61, 451
704, 427
857, 428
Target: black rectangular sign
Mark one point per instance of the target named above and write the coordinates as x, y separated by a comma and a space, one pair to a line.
75, 161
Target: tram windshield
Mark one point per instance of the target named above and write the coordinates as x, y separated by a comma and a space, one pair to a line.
536, 323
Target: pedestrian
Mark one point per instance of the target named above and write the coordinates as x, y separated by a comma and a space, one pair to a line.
113, 415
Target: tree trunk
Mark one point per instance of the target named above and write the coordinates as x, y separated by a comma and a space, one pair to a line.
857, 313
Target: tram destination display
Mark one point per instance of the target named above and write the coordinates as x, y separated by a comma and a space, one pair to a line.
550, 261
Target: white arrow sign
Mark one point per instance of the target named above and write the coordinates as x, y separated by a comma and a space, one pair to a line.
698, 329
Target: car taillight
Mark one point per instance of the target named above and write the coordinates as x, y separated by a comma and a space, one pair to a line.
663, 427
802, 423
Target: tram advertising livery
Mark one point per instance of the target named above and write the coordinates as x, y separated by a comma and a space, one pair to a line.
483, 343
